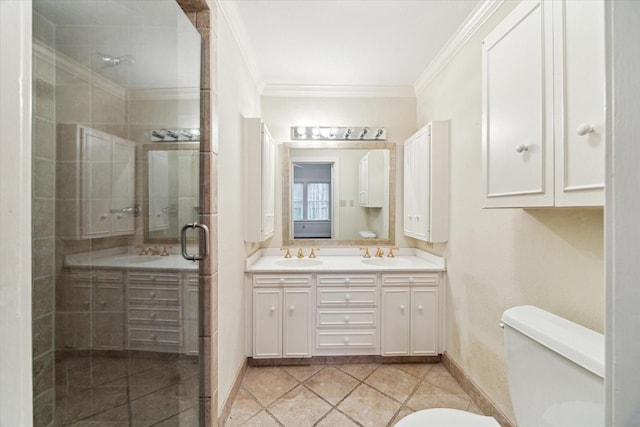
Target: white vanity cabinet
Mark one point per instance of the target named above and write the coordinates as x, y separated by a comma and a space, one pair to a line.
544, 107
190, 284
372, 173
94, 183
410, 316
281, 308
426, 183
260, 155
346, 314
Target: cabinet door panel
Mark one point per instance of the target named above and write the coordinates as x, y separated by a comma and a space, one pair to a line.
122, 184
424, 321
267, 323
409, 202
297, 328
395, 321
579, 47
517, 110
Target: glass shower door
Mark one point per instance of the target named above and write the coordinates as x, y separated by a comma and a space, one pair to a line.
116, 117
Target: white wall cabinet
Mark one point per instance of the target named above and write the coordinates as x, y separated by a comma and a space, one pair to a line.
410, 320
282, 307
371, 179
426, 183
543, 106
260, 154
95, 175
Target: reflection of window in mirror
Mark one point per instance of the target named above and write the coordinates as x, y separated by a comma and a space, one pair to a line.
312, 216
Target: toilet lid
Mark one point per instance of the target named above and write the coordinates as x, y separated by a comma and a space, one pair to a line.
445, 417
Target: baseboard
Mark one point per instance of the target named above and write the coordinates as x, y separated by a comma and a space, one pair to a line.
338, 360
477, 395
237, 382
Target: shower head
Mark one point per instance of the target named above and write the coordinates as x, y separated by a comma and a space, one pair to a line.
112, 61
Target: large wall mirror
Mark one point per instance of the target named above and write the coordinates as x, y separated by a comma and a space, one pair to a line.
338, 193
171, 174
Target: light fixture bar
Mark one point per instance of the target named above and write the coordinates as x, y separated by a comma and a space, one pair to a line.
175, 135
356, 133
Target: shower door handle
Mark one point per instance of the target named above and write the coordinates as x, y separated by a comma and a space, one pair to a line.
183, 241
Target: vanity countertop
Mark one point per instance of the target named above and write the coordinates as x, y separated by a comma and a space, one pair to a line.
343, 260
125, 257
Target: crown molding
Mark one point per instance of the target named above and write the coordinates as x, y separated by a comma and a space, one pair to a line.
230, 12
469, 27
346, 91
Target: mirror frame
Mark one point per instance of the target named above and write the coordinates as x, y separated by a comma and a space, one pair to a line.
287, 173
145, 188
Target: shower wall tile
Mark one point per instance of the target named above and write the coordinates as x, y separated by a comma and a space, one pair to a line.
44, 69
44, 142
42, 335
73, 104
73, 331
42, 214
43, 172
43, 256
43, 372
44, 104
42, 296
43, 409
106, 107
43, 30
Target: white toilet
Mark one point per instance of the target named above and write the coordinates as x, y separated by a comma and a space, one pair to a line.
556, 371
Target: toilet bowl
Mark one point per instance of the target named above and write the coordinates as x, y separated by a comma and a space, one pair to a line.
555, 370
445, 417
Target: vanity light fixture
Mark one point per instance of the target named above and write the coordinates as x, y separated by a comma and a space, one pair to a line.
338, 133
175, 135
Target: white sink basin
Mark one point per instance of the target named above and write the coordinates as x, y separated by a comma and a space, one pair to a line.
385, 262
299, 262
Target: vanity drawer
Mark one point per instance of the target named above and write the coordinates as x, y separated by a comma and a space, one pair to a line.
166, 316
346, 318
347, 297
154, 278
153, 295
275, 280
347, 280
144, 338
364, 339
408, 279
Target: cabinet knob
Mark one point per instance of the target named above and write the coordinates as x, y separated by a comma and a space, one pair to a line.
347, 297
420, 308
282, 281
154, 337
153, 315
347, 281
104, 216
292, 308
119, 216
103, 303
272, 308
417, 218
402, 307
584, 128
522, 147
152, 294
347, 319
346, 340
411, 280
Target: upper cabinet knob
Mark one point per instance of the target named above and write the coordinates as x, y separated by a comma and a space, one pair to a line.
522, 147
272, 308
583, 129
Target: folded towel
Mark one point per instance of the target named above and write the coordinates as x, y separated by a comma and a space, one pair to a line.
366, 234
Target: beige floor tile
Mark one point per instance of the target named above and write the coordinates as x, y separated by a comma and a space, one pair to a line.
186, 418
369, 407
301, 373
393, 382
117, 414
359, 370
263, 419
299, 408
418, 370
267, 384
474, 408
155, 407
430, 396
105, 369
336, 418
404, 411
244, 407
152, 380
439, 376
332, 384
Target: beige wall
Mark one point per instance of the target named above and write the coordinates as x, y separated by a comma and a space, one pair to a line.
397, 115
499, 258
237, 96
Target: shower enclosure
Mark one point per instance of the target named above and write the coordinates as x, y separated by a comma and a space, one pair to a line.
116, 142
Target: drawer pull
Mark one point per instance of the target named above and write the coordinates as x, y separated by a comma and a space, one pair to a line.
292, 308
401, 307
346, 340
420, 307
347, 297
272, 308
347, 319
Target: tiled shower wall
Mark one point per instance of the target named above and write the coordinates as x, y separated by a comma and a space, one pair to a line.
43, 207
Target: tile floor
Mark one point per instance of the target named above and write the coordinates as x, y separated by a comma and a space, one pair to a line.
126, 392
343, 395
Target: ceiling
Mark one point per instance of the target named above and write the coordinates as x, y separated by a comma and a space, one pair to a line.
344, 42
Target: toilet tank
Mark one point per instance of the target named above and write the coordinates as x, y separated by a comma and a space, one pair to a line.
555, 369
